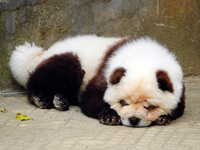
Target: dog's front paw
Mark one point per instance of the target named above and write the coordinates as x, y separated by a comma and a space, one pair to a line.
109, 117
163, 120
60, 102
40, 103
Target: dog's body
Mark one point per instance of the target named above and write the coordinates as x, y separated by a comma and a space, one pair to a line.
135, 82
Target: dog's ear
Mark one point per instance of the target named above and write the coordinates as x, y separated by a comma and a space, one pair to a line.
117, 75
164, 82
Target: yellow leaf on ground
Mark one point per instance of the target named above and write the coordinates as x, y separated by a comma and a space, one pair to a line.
21, 117
3, 111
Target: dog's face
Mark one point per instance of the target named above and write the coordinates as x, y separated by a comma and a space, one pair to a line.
140, 99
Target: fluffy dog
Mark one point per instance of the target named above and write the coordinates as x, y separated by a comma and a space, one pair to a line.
129, 81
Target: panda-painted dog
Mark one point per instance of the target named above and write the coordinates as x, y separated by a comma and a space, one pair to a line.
130, 81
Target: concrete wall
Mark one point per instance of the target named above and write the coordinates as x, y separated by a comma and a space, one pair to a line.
175, 23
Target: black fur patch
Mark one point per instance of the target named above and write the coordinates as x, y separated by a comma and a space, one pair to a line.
117, 75
179, 110
60, 74
92, 102
164, 82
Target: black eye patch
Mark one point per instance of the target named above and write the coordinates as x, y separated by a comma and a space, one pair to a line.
164, 82
150, 107
123, 103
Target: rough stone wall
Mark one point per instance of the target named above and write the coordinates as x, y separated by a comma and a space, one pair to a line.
175, 23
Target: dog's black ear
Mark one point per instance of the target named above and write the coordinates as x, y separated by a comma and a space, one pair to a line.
117, 75
164, 82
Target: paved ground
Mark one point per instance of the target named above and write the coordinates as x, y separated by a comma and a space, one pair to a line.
52, 129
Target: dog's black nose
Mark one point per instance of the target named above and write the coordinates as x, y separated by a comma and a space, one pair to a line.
134, 121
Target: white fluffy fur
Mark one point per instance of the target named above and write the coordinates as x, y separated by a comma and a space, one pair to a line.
24, 60
142, 58
89, 48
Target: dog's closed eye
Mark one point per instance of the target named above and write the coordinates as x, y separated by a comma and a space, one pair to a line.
150, 107
123, 103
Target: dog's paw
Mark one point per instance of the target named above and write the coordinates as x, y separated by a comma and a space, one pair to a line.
60, 102
40, 103
163, 120
109, 117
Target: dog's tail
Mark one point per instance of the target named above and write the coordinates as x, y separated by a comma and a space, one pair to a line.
24, 60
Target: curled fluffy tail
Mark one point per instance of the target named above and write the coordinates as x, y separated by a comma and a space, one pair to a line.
24, 60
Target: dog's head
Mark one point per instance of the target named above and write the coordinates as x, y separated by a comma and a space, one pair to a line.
141, 97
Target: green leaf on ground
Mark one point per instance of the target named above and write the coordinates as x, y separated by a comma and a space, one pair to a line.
21, 117
3, 111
